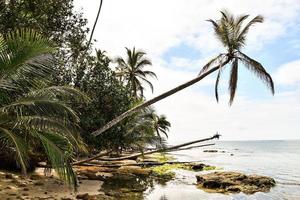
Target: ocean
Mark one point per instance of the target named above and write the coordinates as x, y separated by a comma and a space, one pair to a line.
278, 159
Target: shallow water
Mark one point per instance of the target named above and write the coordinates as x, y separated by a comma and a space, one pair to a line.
277, 159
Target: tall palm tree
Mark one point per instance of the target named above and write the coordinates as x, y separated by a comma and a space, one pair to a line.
94, 26
32, 113
231, 32
132, 72
159, 123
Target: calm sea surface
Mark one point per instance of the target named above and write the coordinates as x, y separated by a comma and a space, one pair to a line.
277, 159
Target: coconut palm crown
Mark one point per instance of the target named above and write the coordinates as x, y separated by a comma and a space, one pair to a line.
132, 72
232, 32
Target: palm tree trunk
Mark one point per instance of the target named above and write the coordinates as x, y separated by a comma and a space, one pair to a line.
92, 158
94, 26
155, 99
159, 150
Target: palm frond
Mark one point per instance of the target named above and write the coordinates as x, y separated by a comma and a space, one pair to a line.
216, 60
26, 50
233, 80
64, 93
258, 70
242, 36
58, 150
217, 85
8, 138
41, 107
54, 125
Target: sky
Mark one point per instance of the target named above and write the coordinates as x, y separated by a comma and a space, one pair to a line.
179, 40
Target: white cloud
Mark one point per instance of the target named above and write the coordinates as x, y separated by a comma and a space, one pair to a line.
157, 26
195, 114
288, 74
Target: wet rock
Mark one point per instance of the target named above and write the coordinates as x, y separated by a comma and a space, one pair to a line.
8, 176
84, 196
39, 183
234, 182
35, 177
134, 170
198, 167
210, 151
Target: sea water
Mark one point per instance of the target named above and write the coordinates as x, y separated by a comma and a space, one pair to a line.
277, 159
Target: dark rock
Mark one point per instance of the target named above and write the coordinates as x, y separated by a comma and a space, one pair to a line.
234, 182
39, 183
9, 176
84, 196
35, 177
210, 151
198, 167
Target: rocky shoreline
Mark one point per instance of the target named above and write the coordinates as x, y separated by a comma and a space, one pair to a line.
126, 180
234, 182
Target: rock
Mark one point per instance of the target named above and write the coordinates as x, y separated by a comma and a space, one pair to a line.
35, 177
134, 170
84, 196
234, 182
198, 167
210, 151
25, 189
39, 183
8, 176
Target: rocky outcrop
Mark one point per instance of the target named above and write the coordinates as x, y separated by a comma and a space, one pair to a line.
234, 182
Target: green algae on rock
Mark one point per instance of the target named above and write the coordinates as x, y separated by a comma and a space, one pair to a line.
234, 182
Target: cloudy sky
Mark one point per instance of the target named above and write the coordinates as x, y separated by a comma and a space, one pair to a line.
179, 41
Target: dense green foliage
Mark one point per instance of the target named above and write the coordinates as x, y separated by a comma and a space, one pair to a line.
75, 66
35, 116
39, 105
55, 19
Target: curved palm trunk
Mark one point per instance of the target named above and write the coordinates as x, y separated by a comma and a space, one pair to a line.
216, 136
94, 26
155, 99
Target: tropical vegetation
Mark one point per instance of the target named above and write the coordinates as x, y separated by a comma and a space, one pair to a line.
231, 32
55, 90
132, 73
36, 116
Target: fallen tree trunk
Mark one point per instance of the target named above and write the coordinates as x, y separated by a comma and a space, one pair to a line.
192, 147
216, 136
91, 158
139, 164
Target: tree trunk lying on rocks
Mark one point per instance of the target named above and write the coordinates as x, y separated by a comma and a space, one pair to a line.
143, 164
192, 147
99, 156
91, 158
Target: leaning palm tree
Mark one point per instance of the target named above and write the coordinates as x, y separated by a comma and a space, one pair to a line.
231, 32
132, 72
34, 115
